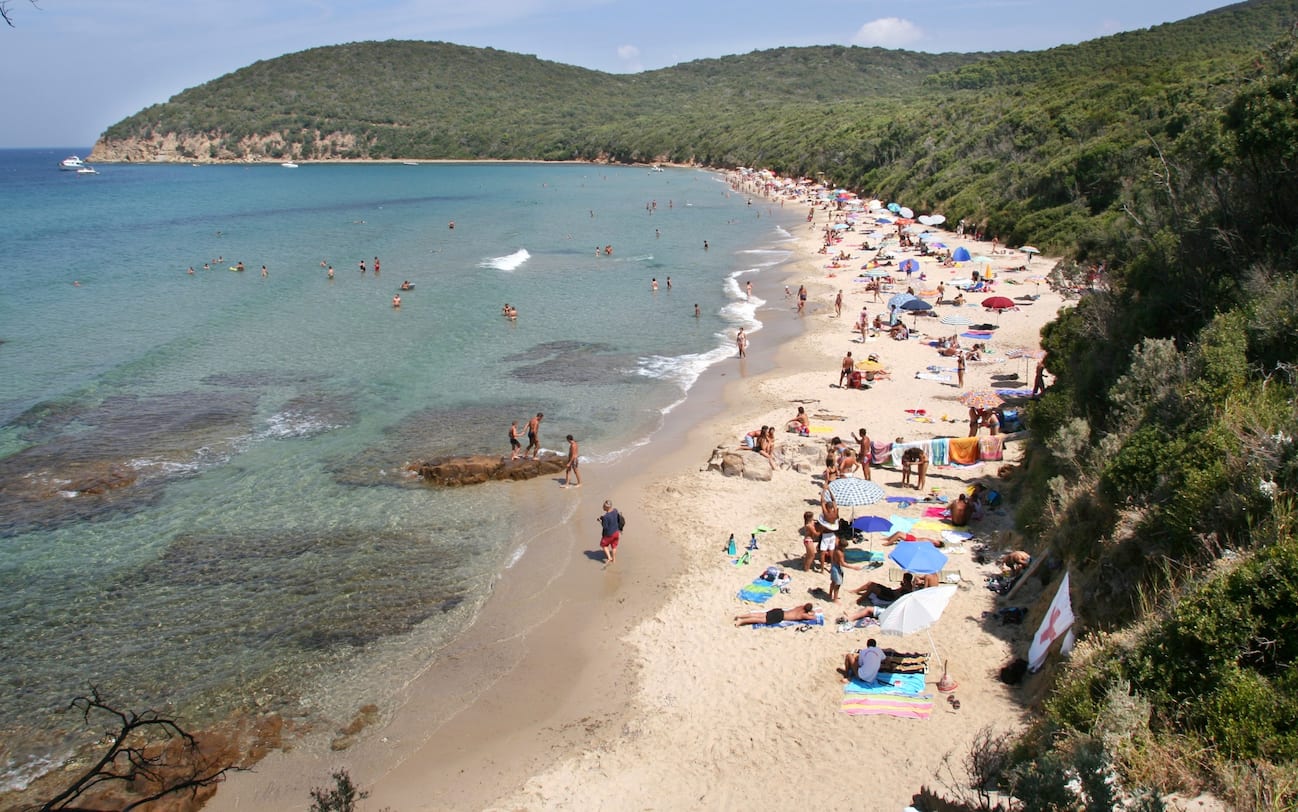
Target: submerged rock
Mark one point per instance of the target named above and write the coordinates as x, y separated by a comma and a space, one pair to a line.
478, 468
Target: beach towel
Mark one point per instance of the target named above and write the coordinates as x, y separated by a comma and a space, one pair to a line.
934, 512
991, 448
904, 501
822, 429
933, 376
899, 705
976, 335
759, 591
903, 662
939, 451
819, 621
1014, 393
963, 450
880, 452
888, 683
900, 524
900, 448
856, 555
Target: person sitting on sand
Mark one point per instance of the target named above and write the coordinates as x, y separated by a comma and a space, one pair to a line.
751, 438
899, 332
863, 665
800, 423
770, 617
766, 445
978, 498
958, 301
1016, 562
960, 511
917, 459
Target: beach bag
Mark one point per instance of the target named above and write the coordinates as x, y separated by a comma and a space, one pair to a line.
621, 522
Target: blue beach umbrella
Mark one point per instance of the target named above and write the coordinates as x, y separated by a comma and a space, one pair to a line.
916, 305
909, 265
960, 254
871, 524
894, 207
918, 557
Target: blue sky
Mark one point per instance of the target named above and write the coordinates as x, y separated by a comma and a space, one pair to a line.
73, 67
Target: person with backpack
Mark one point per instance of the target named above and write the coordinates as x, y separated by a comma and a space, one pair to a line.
611, 524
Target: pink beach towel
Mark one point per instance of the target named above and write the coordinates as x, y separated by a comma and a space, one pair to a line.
880, 453
991, 448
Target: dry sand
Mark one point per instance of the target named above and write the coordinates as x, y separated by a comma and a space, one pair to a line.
585, 688
728, 718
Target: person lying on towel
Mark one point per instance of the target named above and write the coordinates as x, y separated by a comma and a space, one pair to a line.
770, 617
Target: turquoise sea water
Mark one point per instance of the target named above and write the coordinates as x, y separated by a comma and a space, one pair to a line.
202, 501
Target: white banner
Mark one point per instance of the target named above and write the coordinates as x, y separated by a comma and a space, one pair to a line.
1057, 622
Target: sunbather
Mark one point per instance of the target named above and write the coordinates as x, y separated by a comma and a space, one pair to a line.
810, 539
900, 536
883, 592
1016, 562
807, 611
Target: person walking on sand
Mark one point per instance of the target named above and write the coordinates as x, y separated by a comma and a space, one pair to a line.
844, 372
959, 369
610, 522
571, 470
514, 445
741, 342
838, 305
533, 437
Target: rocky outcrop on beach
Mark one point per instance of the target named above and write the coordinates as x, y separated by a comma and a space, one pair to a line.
803, 456
478, 468
217, 147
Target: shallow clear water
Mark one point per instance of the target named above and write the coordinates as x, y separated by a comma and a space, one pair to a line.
202, 498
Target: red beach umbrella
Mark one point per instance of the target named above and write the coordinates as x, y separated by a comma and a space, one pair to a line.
999, 304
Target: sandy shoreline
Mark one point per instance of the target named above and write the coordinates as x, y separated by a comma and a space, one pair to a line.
585, 688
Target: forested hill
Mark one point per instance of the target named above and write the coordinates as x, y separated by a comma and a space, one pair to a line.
1034, 145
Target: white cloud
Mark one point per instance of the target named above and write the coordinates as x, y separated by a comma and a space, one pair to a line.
888, 32
630, 56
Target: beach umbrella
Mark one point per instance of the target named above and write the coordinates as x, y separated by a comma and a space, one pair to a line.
871, 524
1037, 280
960, 254
937, 219
1028, 249
909, 265
937, 245
1026, 355
917, 611
894, 207
916, 306
954, 320
870, 366
982, 259
854, 491
905, 212
981, 399
1000, 304
918, 557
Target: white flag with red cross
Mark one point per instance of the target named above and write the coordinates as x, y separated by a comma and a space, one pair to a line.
1057, 622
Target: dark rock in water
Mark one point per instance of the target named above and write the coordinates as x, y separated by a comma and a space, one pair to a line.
571, 362
479, 468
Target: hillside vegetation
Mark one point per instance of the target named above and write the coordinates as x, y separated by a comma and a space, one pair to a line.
1163, 470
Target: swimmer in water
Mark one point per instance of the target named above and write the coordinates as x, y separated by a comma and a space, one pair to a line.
396, 300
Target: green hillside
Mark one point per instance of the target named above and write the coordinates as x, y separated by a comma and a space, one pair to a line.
1162, 471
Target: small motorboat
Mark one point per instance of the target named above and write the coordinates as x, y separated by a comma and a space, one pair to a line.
289, 165
71, 163
87, 170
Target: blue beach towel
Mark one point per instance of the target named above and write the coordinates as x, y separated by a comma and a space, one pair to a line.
856, 555
886, 683
759, 591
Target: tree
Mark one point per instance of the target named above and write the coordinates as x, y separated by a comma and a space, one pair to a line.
6, 14
149, 755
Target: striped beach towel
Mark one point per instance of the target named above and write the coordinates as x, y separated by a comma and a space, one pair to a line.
899, 705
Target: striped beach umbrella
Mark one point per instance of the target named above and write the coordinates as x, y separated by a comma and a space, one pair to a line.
854, 491
955, 320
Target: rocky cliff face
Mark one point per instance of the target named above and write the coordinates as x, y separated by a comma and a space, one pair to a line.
218, 147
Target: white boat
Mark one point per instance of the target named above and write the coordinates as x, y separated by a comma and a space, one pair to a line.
87, 170
289, 165
657, 169
71, 163
411, 163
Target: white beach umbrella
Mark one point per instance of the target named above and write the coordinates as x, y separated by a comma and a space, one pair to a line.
917, 612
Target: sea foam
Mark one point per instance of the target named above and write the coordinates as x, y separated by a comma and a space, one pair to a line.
509, 262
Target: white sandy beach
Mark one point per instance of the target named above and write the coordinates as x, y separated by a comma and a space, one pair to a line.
730, 717
630, 687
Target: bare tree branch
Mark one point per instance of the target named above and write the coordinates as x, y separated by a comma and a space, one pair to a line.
7, 15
